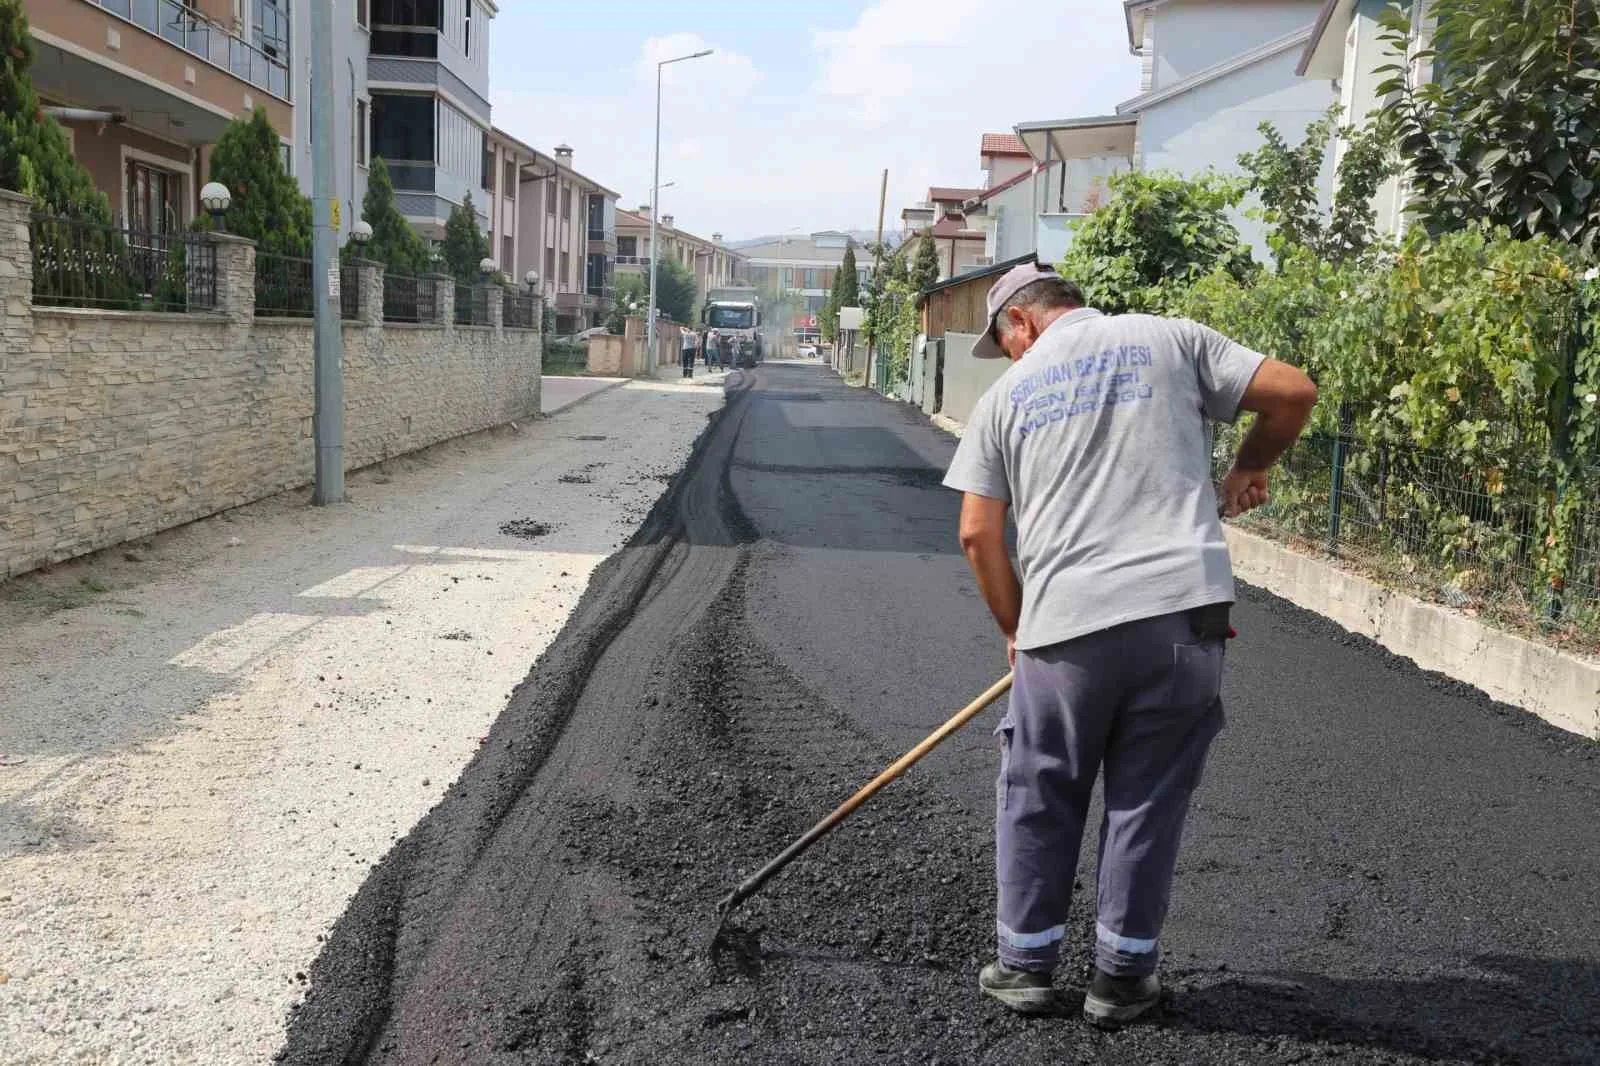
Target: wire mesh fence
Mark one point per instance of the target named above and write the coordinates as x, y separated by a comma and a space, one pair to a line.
283, 286
85, 264
407, 299
472, 305
1472, 536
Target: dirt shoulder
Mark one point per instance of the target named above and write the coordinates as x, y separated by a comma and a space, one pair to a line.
211, 735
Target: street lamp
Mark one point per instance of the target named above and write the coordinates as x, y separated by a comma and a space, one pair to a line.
531, 279
486, 266
655, 196
216, 199
361, 233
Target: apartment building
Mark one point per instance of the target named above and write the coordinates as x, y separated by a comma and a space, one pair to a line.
143, 87
713, 263
427, 102
803, 265
558, 223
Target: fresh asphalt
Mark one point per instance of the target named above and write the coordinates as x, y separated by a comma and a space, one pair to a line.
1381, 866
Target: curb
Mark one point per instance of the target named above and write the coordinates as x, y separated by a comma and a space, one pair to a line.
1559, 687
581, 399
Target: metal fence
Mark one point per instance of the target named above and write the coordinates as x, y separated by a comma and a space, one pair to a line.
407, 299
283, 286
520, 310
1467, 534
349, 291
85, 264
472, 305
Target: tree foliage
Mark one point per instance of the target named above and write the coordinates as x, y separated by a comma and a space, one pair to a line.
1288, 179
464, 247
630, 296
676, 289
35, 158
1507, 130
395, 242
1155, 233
846, 292
268, 206
925, 268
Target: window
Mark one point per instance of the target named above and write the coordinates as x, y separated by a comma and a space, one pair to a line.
595, 280
550, 201
566, 201
550, 265
155, 199
466, 33
509, 185
407, 27
361, 133
597, 218
487, 170
508, 254
402, 128
286, 157
566, 270
810, 281
788, 278
362, 13
269, 25
628, 246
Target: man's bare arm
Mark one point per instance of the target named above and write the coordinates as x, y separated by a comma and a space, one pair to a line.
1282, 397
983, 542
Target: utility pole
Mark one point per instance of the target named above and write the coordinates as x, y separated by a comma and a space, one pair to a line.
328, 418
877, 265
655, 210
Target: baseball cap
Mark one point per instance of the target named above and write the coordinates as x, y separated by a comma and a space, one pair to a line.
1011, 282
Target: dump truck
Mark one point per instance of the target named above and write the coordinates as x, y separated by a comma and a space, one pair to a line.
736, 310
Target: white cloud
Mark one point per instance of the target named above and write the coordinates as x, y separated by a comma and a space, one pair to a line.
912, 85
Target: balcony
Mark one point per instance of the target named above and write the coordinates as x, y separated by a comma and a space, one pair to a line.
412, 175
186, 28
632, 260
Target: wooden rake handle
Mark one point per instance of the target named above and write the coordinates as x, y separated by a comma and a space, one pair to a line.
752, 884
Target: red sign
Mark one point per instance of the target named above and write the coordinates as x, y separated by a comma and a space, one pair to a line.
807, 322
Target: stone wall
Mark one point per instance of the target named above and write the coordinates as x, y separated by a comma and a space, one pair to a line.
117, 424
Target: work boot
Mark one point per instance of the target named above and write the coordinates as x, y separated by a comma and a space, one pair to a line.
1023, 991
1113, 1002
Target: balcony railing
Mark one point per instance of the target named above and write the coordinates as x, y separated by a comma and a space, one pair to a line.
602, 292
185, 27
602, 234
633, 260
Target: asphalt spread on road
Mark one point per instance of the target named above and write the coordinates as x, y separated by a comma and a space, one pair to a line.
1382, 866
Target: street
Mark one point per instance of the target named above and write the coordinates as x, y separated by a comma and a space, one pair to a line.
1381, 865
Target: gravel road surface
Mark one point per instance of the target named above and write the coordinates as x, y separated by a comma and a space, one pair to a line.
208, 739
1382, 867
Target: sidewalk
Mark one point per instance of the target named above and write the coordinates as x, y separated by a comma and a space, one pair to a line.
209, 737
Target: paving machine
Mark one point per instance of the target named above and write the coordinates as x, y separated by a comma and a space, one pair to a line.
736, 311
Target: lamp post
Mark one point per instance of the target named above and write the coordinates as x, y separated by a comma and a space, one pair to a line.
655, 195
360, 233
216, 199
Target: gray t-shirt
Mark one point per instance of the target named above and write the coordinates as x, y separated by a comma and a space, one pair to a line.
1097, 437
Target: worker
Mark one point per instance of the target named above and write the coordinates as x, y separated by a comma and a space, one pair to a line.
1096, 439
729, 345
686, 351
713, 349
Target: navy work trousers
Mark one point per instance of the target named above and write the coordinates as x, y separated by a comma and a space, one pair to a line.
1143, 700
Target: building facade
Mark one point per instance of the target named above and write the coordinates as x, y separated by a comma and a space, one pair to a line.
427, 83
143, 89
559, 224
803, 266
713, 263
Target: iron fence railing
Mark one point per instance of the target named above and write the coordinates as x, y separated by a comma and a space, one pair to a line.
349, 291
472, 305
520, 311
407, 299
1468, 533
283, 286
85, 264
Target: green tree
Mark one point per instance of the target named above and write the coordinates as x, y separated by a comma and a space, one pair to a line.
464, 247
847, 282
35, 158
925, 268
1287, 180
1507, 131
395, 242
1158, 233
630, 296
675, 289
268, 206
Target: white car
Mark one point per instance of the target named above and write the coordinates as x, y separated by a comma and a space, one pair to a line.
808, 351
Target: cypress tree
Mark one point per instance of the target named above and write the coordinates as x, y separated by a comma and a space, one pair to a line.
925, 268
268, 206
395, 242
465, 246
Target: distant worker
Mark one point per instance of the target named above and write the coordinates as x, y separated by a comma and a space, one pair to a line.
729, 348
713, 349
1096, 438
686, 351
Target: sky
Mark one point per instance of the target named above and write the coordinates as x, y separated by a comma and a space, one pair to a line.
788, 125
